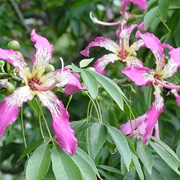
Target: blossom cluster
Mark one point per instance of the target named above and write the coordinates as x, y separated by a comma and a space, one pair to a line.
144, 126
37, 83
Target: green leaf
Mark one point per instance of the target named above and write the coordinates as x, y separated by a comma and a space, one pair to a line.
34, 106
38, 164
31, 147
163, 8
110, 169
121, 144
90, 82
145, 155
166, 147
107, 176
137, 166
85, 62
178, 151
76, 26
81, 153
85, 168
111, 87
98, 134
63, 166
150, 16
171, 161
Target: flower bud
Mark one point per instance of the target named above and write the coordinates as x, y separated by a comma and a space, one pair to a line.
14, 45
10, 89
49, 68
2, 63
134, 54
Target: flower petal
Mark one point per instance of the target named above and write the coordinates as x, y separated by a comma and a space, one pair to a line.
140, 75
141, 3
43, 53
17, 61
9, 107
176, 96
133, 61
153, 114
134, 127
175, 55
69, 81
104, 42
103, 61
60, 125
154, 44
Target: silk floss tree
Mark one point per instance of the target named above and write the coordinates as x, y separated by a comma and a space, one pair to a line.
36, 83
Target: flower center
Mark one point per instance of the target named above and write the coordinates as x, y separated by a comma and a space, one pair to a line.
32, 82
123, 54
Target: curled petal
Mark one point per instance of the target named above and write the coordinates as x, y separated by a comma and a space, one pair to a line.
103, 61
134, 127
43, 53
9, 107
69, 81
141, 3
60, 125
16, 60
154, 44
140, 75
104, 42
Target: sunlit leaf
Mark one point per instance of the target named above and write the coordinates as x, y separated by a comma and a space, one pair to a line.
90, 83
85, 62
111, 87
38, 164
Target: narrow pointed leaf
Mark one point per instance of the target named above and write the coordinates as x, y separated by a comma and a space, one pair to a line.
166, 147
145, 156
163, 8
90, 82
81, 153
85, 169
63, 166
38, 164
171, 161
111, 87
85, 62
31, 148
138, 166
98, 136
121, 144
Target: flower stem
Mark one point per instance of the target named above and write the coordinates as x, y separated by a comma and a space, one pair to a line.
22, 127
40, 127
44, 119
69, 100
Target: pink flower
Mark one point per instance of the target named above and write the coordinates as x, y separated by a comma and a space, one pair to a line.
38, 84
122, 51
143, 76
141, 3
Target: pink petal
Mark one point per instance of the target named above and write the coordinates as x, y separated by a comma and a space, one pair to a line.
176, 96
140, 75
43, 52
60, 125
102, 42
154, 44
69, 81
103, 61
17, 61
9, 107
152, 116
141, 3
134, 127
175, 55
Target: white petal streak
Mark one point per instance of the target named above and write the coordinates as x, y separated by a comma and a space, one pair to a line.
50, 100
169, 69
42, 60
159, 101
20, 95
